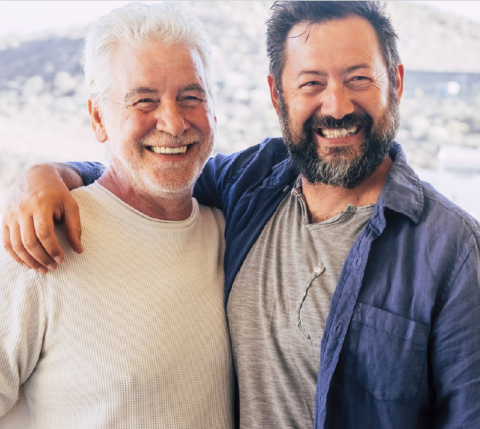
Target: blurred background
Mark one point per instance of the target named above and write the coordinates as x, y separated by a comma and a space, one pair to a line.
43, 114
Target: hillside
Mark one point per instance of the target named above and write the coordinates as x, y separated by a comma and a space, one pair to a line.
43, 112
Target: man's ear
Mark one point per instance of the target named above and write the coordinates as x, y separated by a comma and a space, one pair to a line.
273, 91
96, 121
399, 76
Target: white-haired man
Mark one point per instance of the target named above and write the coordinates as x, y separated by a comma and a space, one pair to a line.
130, 334
352, 288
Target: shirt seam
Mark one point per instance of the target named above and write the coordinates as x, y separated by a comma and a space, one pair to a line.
472, 234
461, 264
137, 216
391, 333
465, 218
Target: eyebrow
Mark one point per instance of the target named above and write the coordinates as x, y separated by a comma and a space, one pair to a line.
323, 74
314, 72
194, 87
145, 90
356, 67
139, 90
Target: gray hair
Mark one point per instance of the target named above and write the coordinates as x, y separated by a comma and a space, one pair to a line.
133, 25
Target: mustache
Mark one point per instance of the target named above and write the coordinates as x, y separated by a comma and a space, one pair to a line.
351, 120
155, 138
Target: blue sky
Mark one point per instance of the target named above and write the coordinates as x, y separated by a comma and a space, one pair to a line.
35, 16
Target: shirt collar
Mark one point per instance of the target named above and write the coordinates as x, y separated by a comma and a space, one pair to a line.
402, 192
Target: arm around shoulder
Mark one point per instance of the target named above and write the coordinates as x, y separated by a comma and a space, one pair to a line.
40, 196
220, 173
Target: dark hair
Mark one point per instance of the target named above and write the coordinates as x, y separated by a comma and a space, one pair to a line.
286, 14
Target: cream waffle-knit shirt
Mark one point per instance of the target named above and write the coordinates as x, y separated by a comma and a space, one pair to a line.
130, 334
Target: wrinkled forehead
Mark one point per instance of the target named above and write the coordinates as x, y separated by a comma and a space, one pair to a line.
333, 41
159, 65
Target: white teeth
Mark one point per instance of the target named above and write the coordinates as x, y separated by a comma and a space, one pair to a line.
338, 132
169, 150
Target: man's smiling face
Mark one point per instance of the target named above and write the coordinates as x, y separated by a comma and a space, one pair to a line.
158, 120
338, 111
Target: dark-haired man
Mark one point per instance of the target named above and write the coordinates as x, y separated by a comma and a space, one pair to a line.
352, 288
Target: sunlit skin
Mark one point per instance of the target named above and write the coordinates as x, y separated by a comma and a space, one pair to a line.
336, 68
159, 99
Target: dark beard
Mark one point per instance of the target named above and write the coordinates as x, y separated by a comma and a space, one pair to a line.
341, 166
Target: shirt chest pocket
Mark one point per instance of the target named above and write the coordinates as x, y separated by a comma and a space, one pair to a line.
385, 353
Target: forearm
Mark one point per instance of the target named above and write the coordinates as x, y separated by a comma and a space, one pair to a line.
89, 171
72, 174
69, 175
48, 174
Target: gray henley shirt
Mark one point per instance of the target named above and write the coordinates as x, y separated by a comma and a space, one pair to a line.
278, 308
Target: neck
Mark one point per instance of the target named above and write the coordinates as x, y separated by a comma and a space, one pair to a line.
172, 207
326, 201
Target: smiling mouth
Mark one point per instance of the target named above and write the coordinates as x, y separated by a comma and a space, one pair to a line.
337, 133
177, 150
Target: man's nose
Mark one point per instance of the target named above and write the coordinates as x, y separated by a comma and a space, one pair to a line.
336, 101
170, 118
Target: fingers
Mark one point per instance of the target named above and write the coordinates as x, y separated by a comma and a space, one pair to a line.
31, 239
45, 247
20, 252
7, 244
39, 198
39, 237
73, 228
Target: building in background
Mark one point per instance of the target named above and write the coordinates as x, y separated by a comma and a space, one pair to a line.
43, 113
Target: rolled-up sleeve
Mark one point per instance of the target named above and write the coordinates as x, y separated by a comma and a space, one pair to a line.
88, 171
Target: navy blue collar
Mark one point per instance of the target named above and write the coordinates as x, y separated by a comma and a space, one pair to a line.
401, 193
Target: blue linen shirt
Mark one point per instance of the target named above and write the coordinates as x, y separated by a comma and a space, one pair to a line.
401, 347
